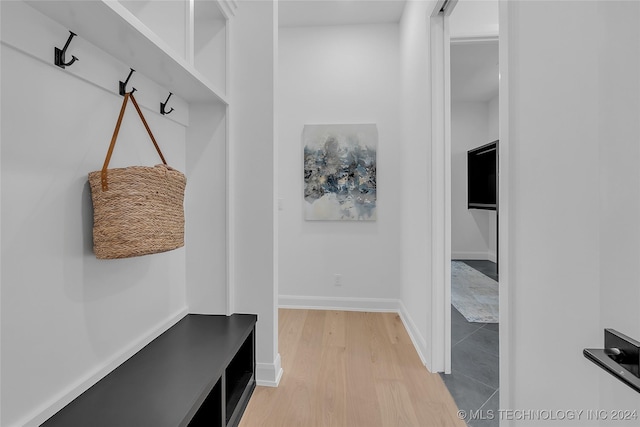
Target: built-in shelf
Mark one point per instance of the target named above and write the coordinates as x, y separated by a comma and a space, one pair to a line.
210, 41
239, 379
167, 19
200, 372
112, 27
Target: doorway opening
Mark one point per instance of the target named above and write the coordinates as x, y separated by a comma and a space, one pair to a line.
470, 139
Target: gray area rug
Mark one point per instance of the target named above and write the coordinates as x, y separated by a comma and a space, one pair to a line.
474, 294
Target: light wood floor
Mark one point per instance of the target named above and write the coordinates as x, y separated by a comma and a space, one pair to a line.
350, 369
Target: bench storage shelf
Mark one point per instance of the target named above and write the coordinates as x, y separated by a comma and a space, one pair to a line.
199, 372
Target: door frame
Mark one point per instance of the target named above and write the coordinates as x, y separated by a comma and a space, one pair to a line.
440, 186
441, 194
504, 237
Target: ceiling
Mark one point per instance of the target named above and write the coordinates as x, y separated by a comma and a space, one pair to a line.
474, 71
301, 13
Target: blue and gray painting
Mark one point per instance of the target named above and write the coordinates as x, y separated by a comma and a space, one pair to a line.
340, 172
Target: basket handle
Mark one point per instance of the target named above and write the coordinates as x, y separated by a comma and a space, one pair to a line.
105, 185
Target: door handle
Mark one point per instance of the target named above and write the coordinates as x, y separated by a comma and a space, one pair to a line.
620, 357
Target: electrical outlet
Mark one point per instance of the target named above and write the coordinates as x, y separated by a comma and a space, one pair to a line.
337, 279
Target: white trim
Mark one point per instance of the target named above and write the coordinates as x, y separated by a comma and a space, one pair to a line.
437, 190
474, 38
440, 191
275, 178
269, 374
491, 256
231, 181
447, 193
380, 305
227, 56
339, 303
231, 223
419, 343
225, 8
48, 409
189, 42
1, 241
504, 178
473, 255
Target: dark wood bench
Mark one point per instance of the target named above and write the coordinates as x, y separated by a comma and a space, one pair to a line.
199, 372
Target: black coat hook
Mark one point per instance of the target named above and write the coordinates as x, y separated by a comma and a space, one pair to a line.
163, 106
123, 85
58, 55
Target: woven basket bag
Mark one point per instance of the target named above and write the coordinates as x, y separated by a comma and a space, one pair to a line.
137, 210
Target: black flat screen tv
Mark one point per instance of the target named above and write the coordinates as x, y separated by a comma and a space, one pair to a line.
482, 185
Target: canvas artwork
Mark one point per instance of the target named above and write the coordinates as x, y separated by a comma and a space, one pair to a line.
340, 172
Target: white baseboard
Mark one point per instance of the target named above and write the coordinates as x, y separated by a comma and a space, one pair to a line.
470, 255
419, 343
491, 256
44, 412
386, 305
339, 303
269, 374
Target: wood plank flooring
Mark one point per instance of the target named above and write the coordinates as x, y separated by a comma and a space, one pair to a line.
350, 369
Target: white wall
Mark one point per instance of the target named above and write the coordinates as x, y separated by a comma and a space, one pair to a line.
339, 74
574, 199
469, 227
66, 315
555, 284
619, 99
473, 231
415, 207
252, 92
474, 18
205, 222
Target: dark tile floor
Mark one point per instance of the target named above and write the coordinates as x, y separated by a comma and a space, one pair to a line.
474, 379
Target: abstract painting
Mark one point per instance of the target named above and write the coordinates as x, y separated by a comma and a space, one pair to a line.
340, 172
